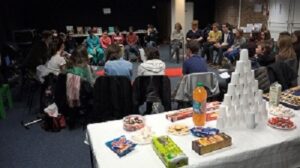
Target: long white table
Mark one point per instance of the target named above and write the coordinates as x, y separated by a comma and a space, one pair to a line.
261, 147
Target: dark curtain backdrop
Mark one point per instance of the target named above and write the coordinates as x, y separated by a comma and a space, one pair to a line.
56, 14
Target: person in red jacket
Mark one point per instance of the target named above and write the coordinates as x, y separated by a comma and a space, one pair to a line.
132, 40
118, 38
105, 40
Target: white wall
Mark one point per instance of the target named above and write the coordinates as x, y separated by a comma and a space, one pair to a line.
284, 16
189, 16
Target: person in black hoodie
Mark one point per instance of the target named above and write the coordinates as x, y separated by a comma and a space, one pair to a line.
263, 54
151, 36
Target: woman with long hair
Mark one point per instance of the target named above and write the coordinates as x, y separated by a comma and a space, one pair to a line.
286, 52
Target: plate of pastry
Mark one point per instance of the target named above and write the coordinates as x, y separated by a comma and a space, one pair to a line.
178, 129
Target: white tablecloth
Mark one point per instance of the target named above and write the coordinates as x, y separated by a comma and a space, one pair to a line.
259, 148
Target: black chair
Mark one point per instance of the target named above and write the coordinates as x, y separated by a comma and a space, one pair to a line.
112, 98
151, 89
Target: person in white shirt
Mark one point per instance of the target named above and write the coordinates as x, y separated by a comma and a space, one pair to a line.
57, 62
153, 65
176, 41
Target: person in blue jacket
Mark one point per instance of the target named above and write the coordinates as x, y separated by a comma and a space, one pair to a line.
94, 48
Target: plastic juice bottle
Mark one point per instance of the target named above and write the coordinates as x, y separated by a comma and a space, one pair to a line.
199, 105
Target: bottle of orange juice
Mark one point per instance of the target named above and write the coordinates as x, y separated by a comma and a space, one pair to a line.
199, 105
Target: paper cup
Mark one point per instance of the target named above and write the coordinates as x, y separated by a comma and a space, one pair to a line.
234, 78
239, 68
231, 89
247, 66
250, 76
258, 95
220, 123
254, 85
239, 89
244, 55
242, 79
227, 100
222, 111
250, 120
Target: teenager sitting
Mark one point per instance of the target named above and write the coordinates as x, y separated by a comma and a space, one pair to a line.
105, 40
116, 65
194, 33
151, 36
79, 65
132, 40
39, 54
213, 39
195, 63
118, 37
94, 48
57, 62
226, 42
239, 42
263, 54
176, 41
286, 52
153, 65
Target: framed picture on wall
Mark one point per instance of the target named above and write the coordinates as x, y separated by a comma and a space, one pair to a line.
87, 29
111, 29
79, 29
70, 29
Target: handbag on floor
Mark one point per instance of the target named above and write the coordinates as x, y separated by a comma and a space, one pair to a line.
54, 124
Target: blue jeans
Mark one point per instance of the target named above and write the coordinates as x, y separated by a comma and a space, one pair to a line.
232, 55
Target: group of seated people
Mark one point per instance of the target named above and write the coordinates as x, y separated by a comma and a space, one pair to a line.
97, 46
227, 43
110, 51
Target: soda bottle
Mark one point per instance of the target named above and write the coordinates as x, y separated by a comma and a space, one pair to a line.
199, 105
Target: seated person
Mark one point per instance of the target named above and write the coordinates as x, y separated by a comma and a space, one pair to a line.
176, 41
105, 40
118, 37
57, 62
153, 65
214, 37
70, 43
239, 42
116, 65
286, 52
225, 43
195, 33
296, 43
79, 65
39, 53
94, 48
195, 63
131, 46
151, 37
263, 54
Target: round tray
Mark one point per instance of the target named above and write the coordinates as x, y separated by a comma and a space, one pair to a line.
274, 126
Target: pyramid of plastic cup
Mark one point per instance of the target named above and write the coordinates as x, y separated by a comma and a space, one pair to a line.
243, 105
